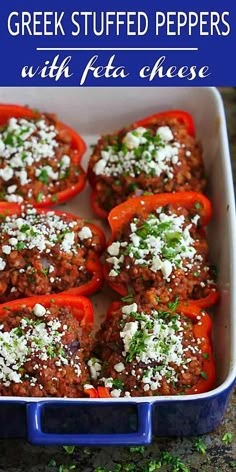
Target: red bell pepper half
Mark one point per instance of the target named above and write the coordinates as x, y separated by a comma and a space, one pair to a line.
182, 116
202, 329
8, 111
93, 264
123, 213
81, 307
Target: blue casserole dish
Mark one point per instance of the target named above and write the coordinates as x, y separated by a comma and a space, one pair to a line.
135, 421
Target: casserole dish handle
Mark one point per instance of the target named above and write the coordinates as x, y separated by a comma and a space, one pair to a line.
36, 435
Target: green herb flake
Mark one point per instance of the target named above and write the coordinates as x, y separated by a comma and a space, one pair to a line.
69, 449
20, 245
43, 177
117, 383
200, 446
204, 375
228, 438
205, 355
174, 305
139, 449
232, 464
133, 186
198, 206
52, 463
127, 299
24, 228
9, 140
39, 197
55, 198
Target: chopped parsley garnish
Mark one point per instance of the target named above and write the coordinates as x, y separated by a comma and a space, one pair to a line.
117, 383
43, 176
205, 355
137, 345
204, 375
198, 206
133, 186
128, 298
20, 245
24, 228
39, 197
174, 305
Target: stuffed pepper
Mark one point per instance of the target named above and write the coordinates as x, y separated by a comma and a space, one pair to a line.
44, 343
157, 154
39, 157
46, 251
158, 248
162, 351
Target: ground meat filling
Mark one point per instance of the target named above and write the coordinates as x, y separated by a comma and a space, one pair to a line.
157, 159
36, 160
43, 253
164, 252
149, 352
42, 353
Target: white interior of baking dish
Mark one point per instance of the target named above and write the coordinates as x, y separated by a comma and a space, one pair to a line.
93, 111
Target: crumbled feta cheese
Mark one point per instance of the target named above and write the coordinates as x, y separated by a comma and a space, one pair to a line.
115, 393
99, 167
119, 367
195, 219
14, 198
39, 310
85, 233
165, 133
113, 273
134, 138
6, 249
11, 188
65, 161
166, 269
114, 248
128, 332
108, 382
2, 264
6, 173
95, 367
127, 309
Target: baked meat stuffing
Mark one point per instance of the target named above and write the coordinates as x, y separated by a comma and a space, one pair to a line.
159, 158
44, 252
36, 159
43, 353
164, 251
150, 352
